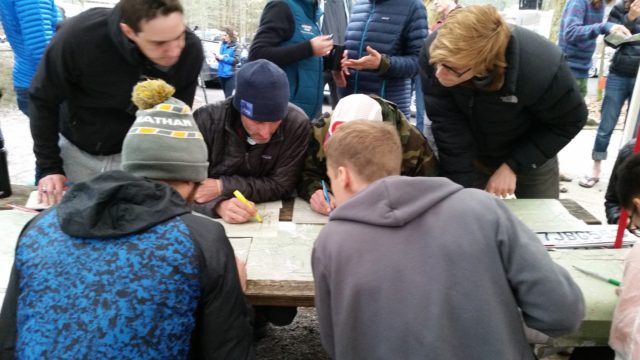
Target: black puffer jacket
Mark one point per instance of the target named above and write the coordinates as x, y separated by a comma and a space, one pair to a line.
611, 201
263, 172
537, 111
626, 59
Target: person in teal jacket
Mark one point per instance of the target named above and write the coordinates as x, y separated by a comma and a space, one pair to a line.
227, 61
289, 36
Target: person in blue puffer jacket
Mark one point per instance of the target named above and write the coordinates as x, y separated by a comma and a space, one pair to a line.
383, 41
29, 26
227, 61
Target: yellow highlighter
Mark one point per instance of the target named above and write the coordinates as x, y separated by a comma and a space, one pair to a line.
244, 200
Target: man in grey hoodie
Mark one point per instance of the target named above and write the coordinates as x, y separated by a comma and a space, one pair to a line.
393, 280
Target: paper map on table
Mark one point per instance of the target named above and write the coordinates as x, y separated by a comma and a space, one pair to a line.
241, 247
545, 215
597, 236
32, 202
303, 214
280, 259
270, 212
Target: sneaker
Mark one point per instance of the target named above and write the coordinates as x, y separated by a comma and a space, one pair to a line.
588, 181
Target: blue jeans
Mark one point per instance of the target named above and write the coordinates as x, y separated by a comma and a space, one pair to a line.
419, 104
22, 98
228, 85
617, 91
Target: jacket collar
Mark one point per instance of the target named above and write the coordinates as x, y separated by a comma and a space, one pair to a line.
126, 47
513, 63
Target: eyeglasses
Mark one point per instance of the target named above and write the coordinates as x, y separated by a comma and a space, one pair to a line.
454, 71
630, 225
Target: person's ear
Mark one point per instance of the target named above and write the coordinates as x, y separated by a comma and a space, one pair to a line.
127, 31
344, 178
636, 202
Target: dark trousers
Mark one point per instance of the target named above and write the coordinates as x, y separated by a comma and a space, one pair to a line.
538, 183
333, 91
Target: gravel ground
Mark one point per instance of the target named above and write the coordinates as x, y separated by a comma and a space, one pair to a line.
300, 340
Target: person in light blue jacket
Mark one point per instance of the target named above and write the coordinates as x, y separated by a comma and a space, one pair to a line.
227, 61
29, 26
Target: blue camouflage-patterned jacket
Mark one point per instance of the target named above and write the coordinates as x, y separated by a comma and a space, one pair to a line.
121, 269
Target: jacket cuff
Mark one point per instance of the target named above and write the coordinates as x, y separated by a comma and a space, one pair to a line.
385, 64
514, 165
607, 27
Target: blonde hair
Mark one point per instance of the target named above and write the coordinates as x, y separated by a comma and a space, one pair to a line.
371, 149
476, 36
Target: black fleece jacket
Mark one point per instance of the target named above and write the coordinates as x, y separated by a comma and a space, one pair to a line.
82, 88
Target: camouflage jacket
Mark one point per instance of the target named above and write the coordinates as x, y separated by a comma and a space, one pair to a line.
417, 158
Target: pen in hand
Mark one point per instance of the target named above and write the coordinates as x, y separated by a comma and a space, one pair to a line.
326, 193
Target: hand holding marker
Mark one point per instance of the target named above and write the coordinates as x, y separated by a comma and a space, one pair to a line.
244, 200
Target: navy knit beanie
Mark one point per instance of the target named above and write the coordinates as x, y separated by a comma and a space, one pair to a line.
262, 91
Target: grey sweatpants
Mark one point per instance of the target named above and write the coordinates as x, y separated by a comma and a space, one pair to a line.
79, 165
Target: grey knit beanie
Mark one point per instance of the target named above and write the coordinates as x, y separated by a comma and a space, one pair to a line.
164, 142
262, 91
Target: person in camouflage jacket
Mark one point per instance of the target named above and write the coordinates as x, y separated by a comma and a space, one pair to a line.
418, 158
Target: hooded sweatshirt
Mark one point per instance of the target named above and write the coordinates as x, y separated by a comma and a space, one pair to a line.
450, 274
121, 269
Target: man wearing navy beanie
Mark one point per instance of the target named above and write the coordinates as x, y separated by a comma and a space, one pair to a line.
256, 141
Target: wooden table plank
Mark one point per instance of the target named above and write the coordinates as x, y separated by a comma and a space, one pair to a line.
579, 212
19, 196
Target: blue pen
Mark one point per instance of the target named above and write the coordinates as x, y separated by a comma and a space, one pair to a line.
326, 193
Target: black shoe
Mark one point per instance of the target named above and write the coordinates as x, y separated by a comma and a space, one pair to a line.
280, 315
259, 323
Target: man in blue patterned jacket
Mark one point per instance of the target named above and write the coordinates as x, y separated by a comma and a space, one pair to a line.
121, 268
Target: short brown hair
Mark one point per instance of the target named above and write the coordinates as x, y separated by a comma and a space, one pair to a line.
477, 36
134, 12
371, 149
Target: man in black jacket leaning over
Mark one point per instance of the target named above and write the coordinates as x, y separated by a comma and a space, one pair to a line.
80, 103
257, 141
503, 103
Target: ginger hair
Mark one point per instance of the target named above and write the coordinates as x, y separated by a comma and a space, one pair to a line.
371, 149
476, 36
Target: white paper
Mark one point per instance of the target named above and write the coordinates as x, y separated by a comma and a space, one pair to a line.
303, 214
